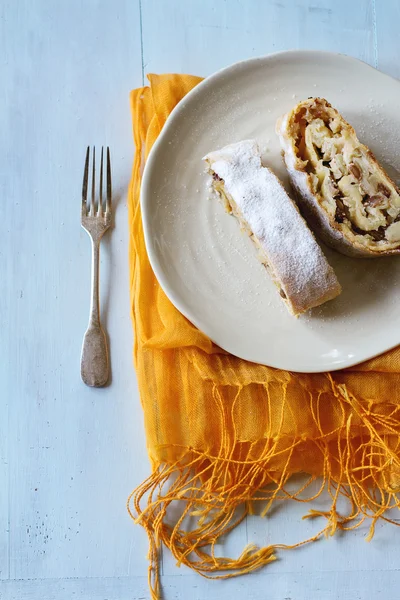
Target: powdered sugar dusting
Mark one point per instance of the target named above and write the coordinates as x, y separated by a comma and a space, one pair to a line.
293, 253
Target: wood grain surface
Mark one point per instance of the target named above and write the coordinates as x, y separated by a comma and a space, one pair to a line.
70, 455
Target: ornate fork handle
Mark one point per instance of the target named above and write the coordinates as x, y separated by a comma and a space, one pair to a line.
95, 367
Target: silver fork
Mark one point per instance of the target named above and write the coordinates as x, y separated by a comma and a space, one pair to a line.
96, 219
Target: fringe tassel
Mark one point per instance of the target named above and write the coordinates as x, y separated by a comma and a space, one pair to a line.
219, 491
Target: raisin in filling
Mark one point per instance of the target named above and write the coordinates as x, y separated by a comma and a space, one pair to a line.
353, 189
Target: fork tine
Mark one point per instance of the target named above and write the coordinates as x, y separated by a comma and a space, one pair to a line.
85, 183
100, 209
93, 182
109, 189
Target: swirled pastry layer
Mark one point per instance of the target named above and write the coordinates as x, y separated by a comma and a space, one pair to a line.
344, 193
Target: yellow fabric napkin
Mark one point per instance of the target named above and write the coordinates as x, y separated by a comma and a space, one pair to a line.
225, 435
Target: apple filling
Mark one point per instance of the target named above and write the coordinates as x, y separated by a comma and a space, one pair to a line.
352, 188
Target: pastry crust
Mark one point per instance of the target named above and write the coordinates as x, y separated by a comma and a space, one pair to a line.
285, 245
345, 195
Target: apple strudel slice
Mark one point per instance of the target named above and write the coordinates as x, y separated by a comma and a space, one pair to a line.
345, 195
285, 244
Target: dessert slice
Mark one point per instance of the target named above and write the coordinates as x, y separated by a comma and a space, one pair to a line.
285, 244
345, 195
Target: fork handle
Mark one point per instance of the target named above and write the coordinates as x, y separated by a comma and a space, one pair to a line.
94, 360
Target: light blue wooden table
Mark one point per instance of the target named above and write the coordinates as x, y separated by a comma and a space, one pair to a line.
69, 455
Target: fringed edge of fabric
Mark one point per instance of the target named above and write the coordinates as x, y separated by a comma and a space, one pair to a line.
220, 491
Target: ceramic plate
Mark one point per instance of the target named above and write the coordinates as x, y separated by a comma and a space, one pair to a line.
209, 269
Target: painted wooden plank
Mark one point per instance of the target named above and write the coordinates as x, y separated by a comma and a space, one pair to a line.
74, 453
4, 463
387, 16
334, 585
201, 36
